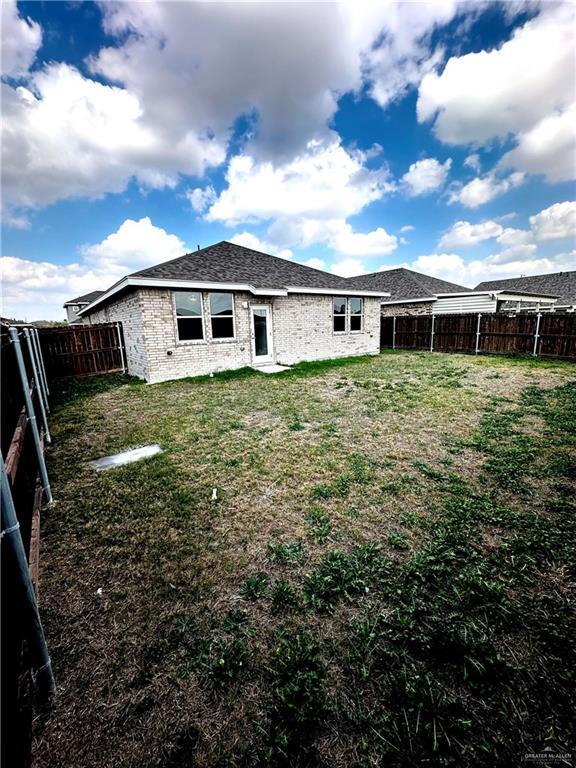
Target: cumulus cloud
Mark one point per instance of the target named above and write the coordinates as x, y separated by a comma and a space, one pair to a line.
452, 267
348, 268
425, 176
201, 198
490, 94
473, 161
21, 39
548, 148
463, 234
307, 200
66, 135
556, 222
248, 240
483, 189
37, 290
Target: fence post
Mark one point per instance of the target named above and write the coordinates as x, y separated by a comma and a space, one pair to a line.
121, 348
15, 339
432, 334
478, 334
36, 337
536, 335
42, 397
394, 332
42, 669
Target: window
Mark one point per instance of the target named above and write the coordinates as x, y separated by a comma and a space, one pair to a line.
189, 315
356, 314
222, 315
339, 314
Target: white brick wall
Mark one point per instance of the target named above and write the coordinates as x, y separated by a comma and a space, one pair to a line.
302, 330
413, 308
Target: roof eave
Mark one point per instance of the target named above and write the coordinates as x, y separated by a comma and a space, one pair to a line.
141, 282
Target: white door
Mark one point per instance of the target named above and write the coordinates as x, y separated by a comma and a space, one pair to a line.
262, 350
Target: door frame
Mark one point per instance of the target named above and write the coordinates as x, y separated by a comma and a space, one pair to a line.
262, 359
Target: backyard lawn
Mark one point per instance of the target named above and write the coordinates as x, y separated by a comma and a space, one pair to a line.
387, 576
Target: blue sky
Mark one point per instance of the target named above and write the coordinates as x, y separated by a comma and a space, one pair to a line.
351, 137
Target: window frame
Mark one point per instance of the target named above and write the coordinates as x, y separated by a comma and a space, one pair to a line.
360, 314
223, 339
186, 342
340, 314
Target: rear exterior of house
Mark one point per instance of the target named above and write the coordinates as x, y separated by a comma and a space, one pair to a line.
413, 293
559, 284
227, 307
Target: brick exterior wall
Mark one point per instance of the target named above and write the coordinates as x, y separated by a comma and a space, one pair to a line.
301, 323
127, 310
415, 308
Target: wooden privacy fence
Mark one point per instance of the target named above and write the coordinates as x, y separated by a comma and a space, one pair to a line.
26, 669
543, 335
83, 350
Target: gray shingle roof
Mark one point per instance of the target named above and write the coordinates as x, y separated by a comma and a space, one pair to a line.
86, 298
229, 263
561, 284
403, 283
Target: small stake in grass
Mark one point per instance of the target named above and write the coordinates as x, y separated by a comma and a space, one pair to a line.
214, 494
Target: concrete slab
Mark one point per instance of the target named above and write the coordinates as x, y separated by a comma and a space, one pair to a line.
126, 457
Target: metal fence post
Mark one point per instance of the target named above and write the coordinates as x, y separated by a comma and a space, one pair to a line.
478, 334
536, 335
432, 334
36, 337
394, 332
42, 397
42, 666
15, 339
121, 348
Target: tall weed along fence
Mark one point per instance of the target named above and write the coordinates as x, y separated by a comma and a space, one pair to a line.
542, 335
26, 669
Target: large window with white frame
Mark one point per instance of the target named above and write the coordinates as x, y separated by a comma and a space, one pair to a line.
189, 316
339, 314
356, 314
221, 315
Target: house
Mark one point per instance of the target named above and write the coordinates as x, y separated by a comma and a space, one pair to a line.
560, 284
73, 306
226, 307
413, 293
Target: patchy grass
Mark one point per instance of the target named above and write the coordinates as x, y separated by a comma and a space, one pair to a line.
385, 578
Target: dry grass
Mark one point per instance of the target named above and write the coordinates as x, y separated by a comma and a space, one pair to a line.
143, 575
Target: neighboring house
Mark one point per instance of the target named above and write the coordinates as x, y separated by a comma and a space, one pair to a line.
412, 293
73, 306
560, 284
226, 307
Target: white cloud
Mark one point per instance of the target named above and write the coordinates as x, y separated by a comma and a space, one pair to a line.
348, 268
407, 228
21, 38
490, 94
36, 290
324, 182
482, 190
473, 161
548, 148
307, 200
72, 136
463, 234
201, 198
425, 176
452, 267
556, 222
315, 263
511, 237
248, 240
375, 243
